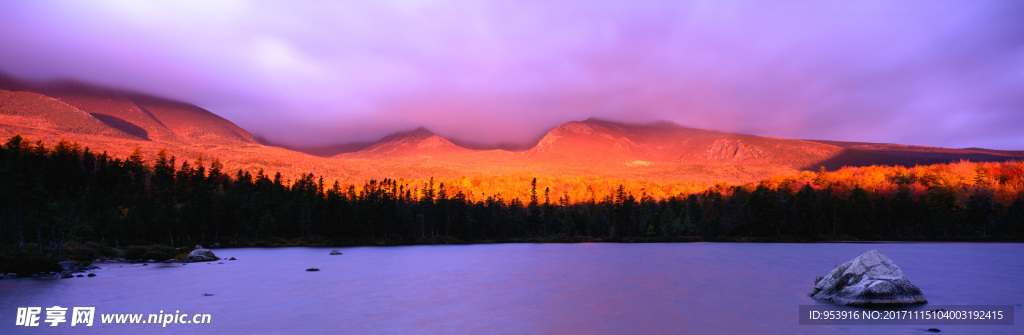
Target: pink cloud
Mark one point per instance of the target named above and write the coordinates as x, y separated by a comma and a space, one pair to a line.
916, 72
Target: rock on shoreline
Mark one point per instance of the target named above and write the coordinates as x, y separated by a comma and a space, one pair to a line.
67, 269
869, 279
201, 255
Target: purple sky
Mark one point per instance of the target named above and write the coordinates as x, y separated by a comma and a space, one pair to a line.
941, 73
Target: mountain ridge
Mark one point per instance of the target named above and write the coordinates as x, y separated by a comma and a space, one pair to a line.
118, 121
419, 142
142, 116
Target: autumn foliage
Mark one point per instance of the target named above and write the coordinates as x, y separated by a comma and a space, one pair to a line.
52, 196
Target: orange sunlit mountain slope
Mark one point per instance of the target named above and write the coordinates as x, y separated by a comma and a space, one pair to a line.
658, 154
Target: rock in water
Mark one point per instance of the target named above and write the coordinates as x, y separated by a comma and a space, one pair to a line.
201, 255
869, 279
335, 252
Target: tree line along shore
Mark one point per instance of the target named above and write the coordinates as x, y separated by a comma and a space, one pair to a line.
68, 203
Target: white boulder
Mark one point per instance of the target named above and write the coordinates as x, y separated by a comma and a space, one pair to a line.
201, 255
869, 279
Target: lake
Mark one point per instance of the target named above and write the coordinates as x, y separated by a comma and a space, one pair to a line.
586, 288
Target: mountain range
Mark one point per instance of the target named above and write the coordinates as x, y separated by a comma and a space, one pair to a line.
117, 121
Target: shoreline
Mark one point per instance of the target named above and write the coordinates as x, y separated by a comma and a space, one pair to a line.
93, 265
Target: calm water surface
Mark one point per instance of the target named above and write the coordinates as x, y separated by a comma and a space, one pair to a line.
591, 288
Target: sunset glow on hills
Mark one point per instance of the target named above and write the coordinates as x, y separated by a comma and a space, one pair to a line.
506, 166
662, 157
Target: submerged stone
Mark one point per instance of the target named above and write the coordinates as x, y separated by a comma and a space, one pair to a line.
869, 279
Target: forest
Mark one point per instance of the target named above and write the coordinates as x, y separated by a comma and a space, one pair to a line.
66, 202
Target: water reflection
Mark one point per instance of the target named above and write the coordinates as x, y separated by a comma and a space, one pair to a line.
518, 288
